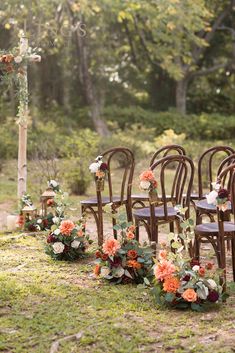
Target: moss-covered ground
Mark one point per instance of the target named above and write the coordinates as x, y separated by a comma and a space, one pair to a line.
42, 301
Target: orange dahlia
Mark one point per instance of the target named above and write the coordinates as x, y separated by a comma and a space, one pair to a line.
171, 284
111, 246
163, 270
66, 227
147, 175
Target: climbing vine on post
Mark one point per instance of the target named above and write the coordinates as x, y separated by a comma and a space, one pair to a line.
13, 65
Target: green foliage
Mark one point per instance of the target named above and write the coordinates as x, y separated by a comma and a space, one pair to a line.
198, 127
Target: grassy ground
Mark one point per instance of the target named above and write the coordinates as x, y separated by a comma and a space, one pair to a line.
42, 301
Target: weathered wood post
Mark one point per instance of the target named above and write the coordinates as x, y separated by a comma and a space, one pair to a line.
23, 117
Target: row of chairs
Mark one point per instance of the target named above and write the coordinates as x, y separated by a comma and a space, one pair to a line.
175, 174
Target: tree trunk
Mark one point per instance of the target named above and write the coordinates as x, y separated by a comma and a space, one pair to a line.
181, 95
86, 79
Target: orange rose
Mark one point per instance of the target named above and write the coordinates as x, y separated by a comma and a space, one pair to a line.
132, 254
96, 270
134, 264
80, 233
104, 257
147, 176
189, 295
171, 284
201, 271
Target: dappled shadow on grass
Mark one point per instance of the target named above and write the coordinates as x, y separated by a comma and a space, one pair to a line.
43, 300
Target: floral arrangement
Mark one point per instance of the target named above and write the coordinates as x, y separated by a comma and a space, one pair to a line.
181, 282
26, 200
39, 223
99, 168
54, 185
67, 240
124, 261
148, 181
218, 197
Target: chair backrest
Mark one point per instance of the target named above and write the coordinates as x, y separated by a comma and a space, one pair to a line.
113, 157
180, 170
231, 171
167, 150
227, 176
207, 165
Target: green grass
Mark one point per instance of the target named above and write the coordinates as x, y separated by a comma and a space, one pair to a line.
42, 300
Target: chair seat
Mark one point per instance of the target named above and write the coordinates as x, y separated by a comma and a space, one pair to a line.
213, 228
105, 200
159, 212
204, 206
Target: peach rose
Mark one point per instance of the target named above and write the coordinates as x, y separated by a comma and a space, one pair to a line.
100, 174
130, 235
147, 175
80, 233
189, 295
201, 271
111, 246
131, 228
163, 270
171, 284
132, 254
66, 227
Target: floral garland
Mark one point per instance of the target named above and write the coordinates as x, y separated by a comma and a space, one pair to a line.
218, 197
13, 69
124, 261
181, 282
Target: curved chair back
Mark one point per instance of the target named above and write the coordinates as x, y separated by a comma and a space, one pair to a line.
181, 170
208, 160
124, 183
227, 176
167, 150
221, 178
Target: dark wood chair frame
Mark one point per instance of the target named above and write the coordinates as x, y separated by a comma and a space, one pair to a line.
223, 230
183, 172
173, 149
94, 206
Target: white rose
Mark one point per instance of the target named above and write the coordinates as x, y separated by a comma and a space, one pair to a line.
212, 283
18, 59
56, 231
216, 186
211, 197
55, 220
75, 244
99, 159
196, 268
53, 183
94, 167
105, 271
58, 247
145, 184
39, 221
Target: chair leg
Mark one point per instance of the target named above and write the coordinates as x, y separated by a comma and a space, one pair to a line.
233, 255
197, 248
114, 230
137, 229
129, 211
172, 227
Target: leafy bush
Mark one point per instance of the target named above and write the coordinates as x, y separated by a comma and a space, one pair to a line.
203, 126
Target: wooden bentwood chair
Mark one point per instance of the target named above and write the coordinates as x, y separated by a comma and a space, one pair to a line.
163, 211
217, 232
95, 205
207, 168
142, 199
